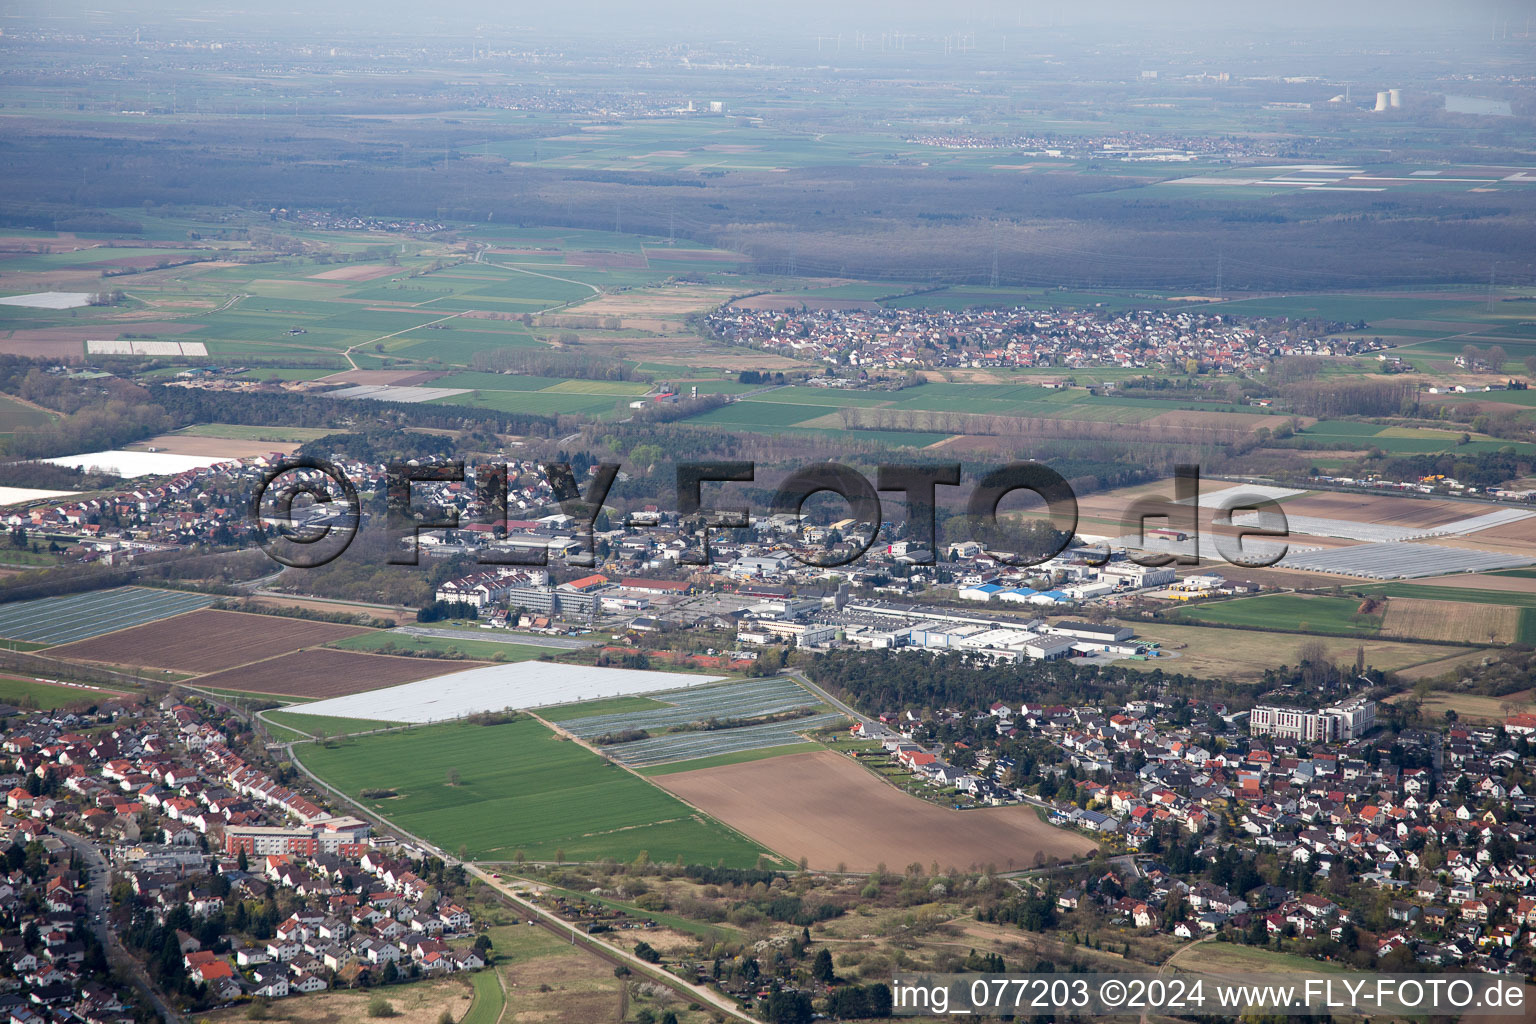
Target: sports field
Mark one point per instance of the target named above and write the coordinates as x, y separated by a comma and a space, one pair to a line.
62, 620
495, 790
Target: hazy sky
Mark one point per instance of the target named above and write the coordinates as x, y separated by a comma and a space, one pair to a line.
692, 18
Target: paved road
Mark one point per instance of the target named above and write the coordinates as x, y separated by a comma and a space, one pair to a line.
800, 678
96, 907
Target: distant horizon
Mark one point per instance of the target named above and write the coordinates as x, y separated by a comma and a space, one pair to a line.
1111, 20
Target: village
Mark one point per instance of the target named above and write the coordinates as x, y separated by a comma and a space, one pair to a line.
134, 828
877, 339
1414, 848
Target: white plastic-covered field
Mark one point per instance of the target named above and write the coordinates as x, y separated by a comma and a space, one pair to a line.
48, 300
1215, 499
1395, 560
130, 464
1349, 529
21, 495
526, 684
120, 347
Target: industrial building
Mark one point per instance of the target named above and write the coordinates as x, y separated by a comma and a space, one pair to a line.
1090, 631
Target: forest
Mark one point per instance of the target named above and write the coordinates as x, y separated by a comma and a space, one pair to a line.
881, 220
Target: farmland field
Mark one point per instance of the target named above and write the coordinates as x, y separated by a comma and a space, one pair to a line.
1451, 620
240, 432
721, 743
386, 641
207, 640
520, 787
15, 413
740, 699
458, 689
824, 807
1244, 654
46, 696
1304, 612
737, 757
322, 672
312, 725
737, 700
60, 620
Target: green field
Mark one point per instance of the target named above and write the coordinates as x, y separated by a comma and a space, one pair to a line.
390, 642
312, 725
1430, 592
520, 787
15, 413
490, 1000
240, 432
29, 693
1306, 613
596, 708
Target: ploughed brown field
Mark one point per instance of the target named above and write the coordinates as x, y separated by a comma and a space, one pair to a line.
824, 807
1387, 509
321, 672
207, 640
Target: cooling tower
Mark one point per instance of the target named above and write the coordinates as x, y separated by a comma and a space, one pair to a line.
1382, 99
1395, 97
